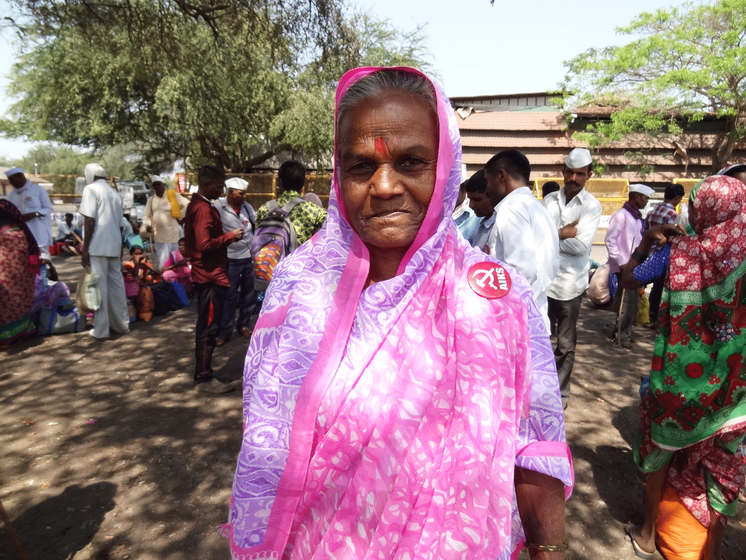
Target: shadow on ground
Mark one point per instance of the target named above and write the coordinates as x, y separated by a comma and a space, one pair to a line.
115, 427
107, 450
72, 518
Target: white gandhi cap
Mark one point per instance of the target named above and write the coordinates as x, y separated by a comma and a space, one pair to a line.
237, 184
641, 189
579, 157
156, 179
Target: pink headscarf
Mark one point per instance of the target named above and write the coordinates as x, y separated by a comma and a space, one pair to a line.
386, 422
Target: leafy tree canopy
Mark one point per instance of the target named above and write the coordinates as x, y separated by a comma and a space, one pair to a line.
51, 159
232, 83
54, 159
687, 63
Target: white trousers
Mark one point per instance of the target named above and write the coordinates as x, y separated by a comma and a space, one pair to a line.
113, 311
163, 250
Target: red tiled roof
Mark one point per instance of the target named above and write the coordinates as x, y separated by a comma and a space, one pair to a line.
512, 120
548, 140
535, 159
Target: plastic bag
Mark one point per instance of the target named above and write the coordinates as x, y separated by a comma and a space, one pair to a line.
678, 533
58, 321
131, 287
88, 296
598, 289
131, 309
643, 310
181, 292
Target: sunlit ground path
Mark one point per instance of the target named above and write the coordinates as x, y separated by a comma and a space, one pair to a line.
106, 452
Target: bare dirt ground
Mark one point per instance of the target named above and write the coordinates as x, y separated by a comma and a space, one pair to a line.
107, 453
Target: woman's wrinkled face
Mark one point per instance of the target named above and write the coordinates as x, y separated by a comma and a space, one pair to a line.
388, 150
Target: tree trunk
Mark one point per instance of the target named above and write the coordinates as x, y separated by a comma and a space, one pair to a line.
723, 149
249, 163
213, 150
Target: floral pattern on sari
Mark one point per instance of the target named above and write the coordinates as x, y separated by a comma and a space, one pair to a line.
698, 381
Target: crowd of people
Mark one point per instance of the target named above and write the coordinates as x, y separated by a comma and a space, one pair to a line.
406, 378
174, 254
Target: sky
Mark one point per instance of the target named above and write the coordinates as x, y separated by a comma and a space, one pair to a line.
474, 47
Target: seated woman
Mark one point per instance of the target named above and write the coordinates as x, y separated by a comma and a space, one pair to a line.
693, 408
401, 398
139, 272
177, 268
140, 268
49, 292
19, 255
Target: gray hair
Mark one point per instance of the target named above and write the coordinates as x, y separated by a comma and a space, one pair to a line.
373, 85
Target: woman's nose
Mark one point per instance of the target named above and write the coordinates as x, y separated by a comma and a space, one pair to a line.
385, 182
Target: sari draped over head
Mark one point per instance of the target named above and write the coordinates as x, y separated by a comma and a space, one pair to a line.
386, 422
19, 263
694, 412
697, 378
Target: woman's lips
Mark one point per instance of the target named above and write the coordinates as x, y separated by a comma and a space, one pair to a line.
388, 214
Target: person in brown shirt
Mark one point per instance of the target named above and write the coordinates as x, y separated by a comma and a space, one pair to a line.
207, 246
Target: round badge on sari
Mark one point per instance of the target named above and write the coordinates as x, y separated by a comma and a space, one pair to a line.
489, 280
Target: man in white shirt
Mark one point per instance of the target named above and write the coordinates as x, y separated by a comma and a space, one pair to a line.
576, 214
33, 202
476, 189
524, 235
69, 234
160, 218
101, 207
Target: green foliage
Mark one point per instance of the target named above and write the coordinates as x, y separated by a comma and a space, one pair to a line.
50, 159
687, 63
637, 163
232, 84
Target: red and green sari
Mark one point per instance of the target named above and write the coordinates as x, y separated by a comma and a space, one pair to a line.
19, 261
697, 396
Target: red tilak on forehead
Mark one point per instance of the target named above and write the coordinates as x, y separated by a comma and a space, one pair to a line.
381, 145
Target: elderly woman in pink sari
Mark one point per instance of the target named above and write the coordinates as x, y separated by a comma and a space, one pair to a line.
400, 394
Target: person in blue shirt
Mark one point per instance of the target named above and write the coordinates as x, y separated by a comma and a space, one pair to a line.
466, 220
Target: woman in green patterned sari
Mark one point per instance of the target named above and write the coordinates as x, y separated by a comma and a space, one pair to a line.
693, 411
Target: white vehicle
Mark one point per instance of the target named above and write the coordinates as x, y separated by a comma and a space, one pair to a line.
135, 196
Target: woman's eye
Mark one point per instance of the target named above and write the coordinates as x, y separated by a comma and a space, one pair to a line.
409, 163
362, 167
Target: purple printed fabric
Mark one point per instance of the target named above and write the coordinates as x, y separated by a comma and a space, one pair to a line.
386, 422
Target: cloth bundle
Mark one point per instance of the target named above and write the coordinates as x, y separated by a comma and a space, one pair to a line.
172, 200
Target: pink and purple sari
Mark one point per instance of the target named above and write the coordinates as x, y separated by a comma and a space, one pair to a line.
387, 422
